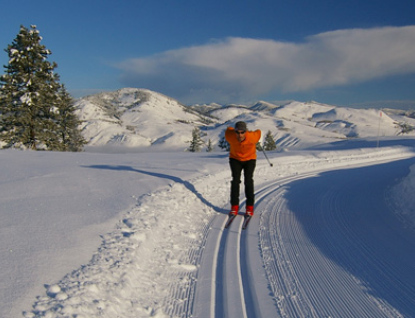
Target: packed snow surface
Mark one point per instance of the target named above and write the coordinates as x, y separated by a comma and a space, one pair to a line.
141, 234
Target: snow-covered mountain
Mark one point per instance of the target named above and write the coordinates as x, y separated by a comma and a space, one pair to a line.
139, 118
136, 118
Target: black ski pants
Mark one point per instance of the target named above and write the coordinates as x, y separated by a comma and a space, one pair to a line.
236, 168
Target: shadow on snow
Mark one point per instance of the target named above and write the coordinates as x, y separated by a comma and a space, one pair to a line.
187, 184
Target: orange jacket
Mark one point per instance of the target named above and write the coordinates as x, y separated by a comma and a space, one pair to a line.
245, 150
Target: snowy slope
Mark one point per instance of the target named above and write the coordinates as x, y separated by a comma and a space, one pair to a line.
141, 235
138, 119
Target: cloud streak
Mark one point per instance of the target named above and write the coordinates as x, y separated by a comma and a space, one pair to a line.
243, 68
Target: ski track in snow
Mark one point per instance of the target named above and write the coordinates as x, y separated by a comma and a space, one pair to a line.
278, 290
220, 272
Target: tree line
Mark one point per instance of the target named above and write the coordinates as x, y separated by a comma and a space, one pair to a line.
196, 143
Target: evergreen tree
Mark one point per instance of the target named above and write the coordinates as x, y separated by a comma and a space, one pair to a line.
70, 138
196, 142
223, 144
209, 147
33, 104
269, 142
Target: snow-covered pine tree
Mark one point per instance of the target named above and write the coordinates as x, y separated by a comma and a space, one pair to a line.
209, 147
31, 96
68, 123
269, 142
196, 142
223, 144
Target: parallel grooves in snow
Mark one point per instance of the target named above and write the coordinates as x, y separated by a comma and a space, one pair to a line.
273, 249
232, 289
305, 281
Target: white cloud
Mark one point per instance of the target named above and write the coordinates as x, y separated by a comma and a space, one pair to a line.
237, 68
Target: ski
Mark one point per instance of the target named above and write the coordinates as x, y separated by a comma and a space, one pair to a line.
230, 220
246, 221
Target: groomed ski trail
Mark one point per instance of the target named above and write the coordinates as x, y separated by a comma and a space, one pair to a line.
331, 256
252, 273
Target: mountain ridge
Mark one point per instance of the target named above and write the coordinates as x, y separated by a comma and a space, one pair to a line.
135, 118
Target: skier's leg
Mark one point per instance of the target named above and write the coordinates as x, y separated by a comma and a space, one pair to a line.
236, 169
249, 168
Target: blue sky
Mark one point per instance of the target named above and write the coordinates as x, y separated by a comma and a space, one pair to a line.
344, 53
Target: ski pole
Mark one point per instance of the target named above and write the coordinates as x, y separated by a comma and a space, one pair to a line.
266, 156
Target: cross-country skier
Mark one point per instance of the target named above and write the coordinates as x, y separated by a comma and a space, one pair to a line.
242, 156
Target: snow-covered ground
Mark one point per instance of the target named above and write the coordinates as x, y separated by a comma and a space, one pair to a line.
141, 234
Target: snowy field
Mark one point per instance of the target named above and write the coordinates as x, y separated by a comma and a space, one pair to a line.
141, 234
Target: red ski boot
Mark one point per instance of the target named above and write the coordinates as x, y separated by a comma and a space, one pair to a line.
249, 210
234, 210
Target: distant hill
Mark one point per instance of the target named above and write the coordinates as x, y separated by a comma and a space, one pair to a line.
140, 119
